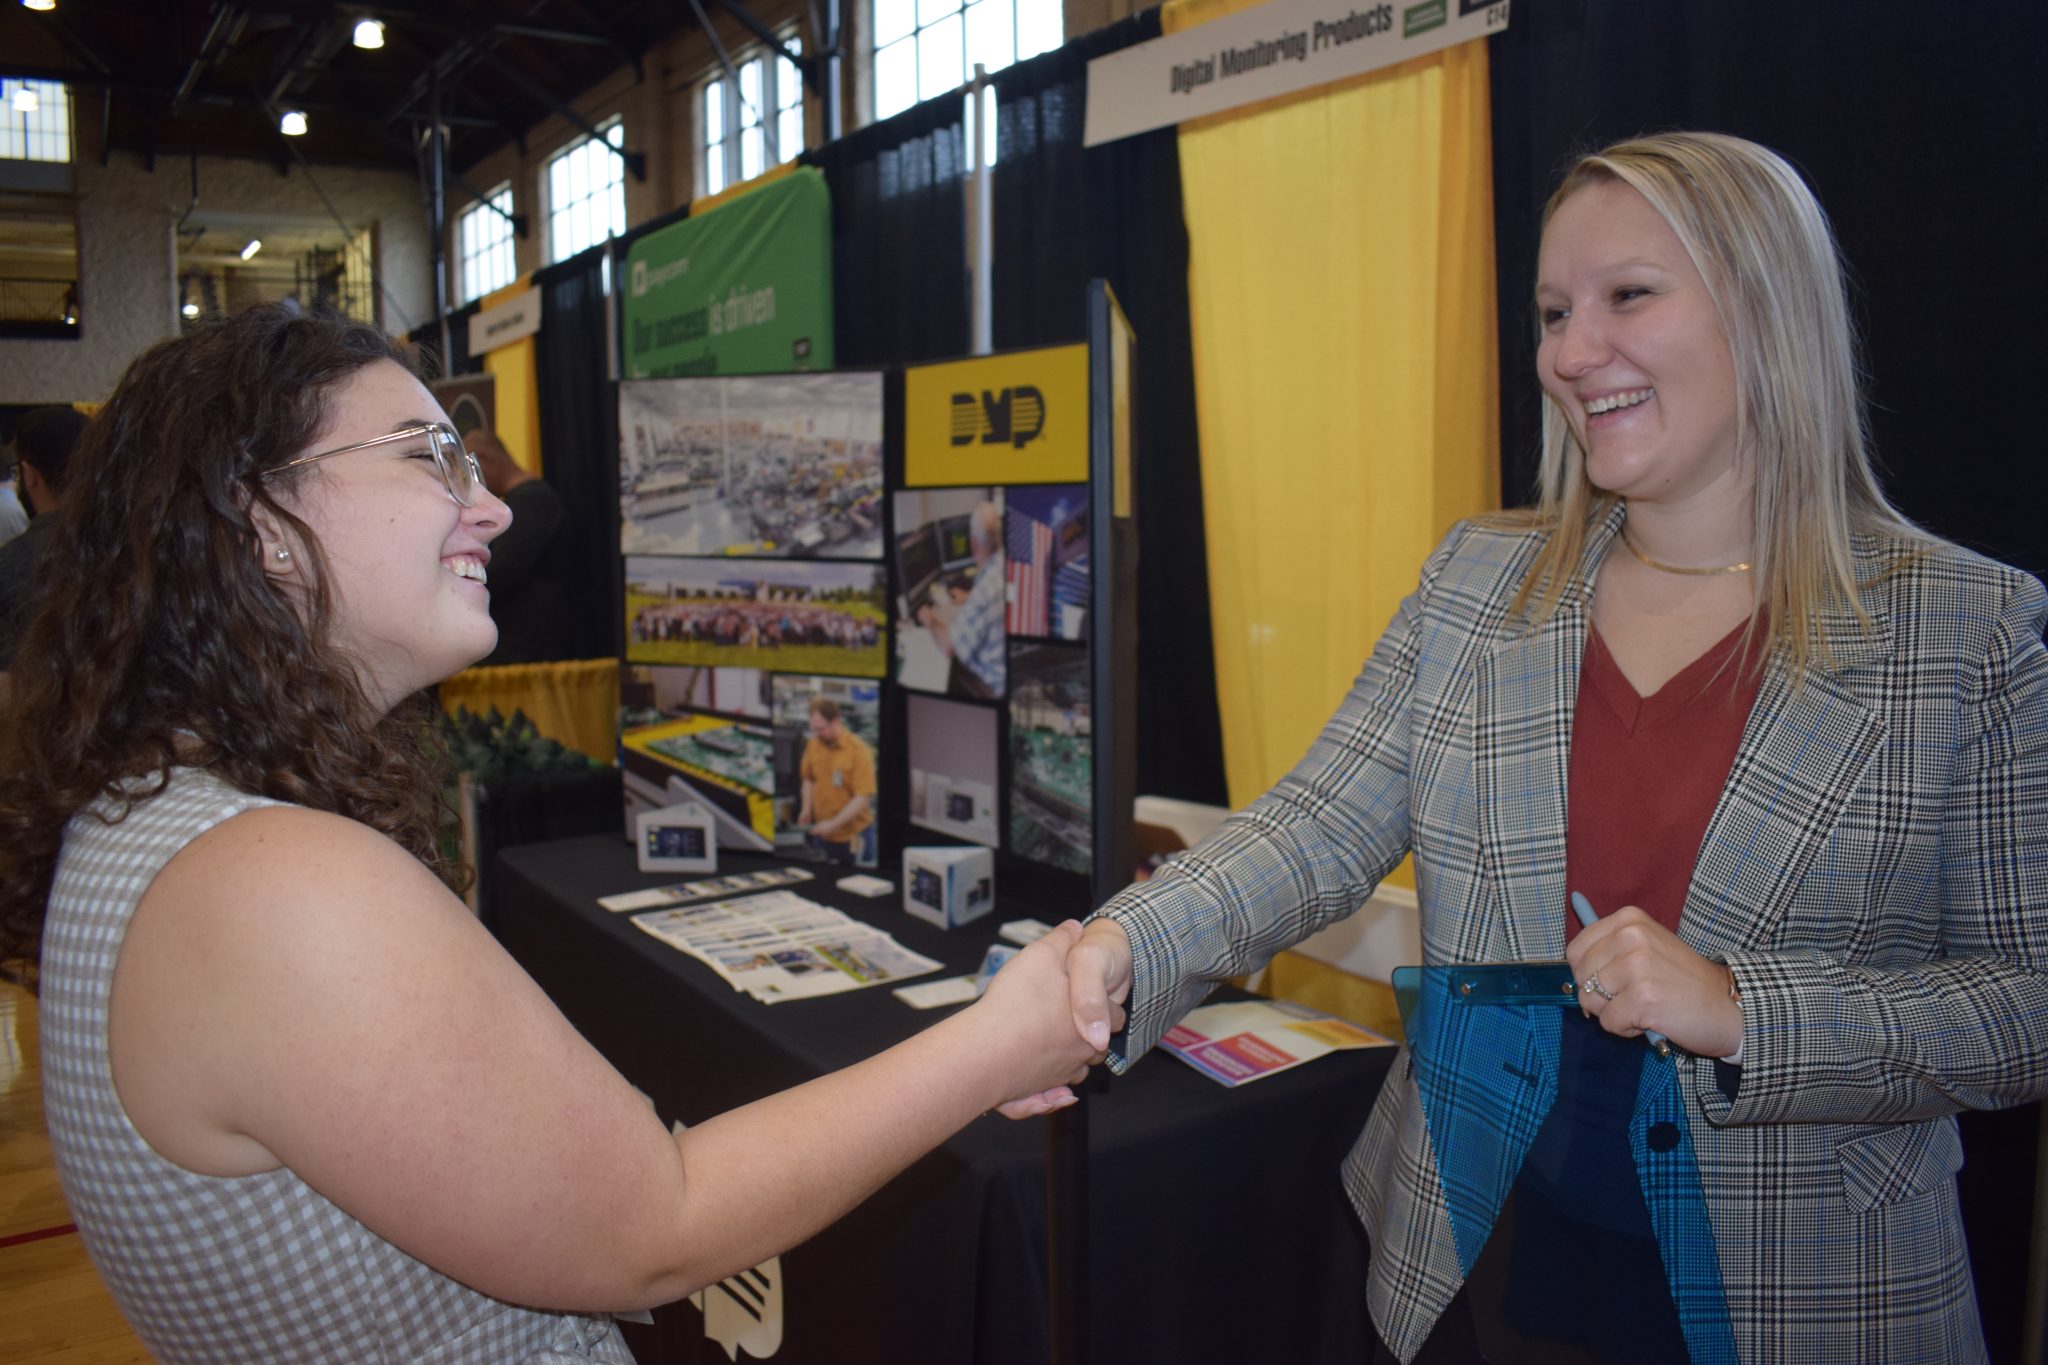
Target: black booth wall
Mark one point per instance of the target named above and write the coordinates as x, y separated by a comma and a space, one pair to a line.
579, 440
1063, 216
1924, 132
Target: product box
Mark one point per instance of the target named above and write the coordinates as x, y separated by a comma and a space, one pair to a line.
950, 884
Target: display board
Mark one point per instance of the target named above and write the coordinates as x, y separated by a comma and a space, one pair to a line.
913, 589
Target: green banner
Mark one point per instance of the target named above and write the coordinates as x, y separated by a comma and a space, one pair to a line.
743, 289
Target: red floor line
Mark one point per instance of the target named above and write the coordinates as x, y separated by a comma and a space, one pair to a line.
38, 1235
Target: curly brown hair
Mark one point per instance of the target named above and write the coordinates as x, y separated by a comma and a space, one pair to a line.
162, 641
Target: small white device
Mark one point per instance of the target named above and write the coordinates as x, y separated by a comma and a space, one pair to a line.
949, 885
676, 839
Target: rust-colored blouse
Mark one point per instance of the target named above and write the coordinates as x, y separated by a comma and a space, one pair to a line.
1645, 775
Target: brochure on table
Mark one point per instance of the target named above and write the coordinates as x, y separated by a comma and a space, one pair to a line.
777, 946
1237, 1043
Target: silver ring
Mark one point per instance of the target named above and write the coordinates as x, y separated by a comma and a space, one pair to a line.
1592, 983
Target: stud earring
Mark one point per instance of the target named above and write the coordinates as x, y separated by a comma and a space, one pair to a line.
283, 554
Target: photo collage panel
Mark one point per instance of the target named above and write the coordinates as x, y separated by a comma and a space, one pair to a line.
752, 531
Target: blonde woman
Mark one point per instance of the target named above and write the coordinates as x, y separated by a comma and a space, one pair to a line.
1791, 752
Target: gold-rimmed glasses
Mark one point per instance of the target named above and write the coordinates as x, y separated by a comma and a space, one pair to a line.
460, 473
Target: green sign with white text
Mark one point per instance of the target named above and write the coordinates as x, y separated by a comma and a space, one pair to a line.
743, 289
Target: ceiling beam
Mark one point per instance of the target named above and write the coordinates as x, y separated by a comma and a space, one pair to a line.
224, 27
636, 162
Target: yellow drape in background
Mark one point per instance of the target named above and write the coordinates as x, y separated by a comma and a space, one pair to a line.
1341, 286
518, 393
575, 703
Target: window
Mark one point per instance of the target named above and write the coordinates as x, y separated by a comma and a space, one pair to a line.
41, 135
754, 124
926, 48
483, 245
587, 193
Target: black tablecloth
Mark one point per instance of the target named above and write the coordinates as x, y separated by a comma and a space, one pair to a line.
1219, 1229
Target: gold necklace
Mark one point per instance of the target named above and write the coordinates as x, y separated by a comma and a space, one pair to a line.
1662, 567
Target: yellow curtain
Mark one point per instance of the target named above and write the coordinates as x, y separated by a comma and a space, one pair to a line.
1341, 287
575, 703
518, 392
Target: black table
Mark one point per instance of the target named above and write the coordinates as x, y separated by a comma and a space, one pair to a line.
1219, 1228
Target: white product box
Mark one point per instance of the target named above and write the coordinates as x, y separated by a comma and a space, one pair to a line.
949, 885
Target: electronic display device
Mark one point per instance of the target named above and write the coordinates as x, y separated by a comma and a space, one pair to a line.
956, 546
917, 564
677, 839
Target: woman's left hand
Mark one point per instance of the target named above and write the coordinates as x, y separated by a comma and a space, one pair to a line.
1634, 974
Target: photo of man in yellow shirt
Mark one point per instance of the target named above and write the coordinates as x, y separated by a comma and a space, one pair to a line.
838, 772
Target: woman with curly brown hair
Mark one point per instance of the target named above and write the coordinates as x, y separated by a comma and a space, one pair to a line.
302, 1105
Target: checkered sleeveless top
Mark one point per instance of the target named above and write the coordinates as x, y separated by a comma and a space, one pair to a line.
248, 1268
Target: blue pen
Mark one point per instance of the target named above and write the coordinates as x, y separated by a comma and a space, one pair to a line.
1583, 908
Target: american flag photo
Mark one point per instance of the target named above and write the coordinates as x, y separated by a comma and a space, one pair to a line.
1046, 546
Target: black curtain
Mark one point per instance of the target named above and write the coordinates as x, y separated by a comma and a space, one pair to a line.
1924, 133
1065, 215
899, 251
579, 439
427, 338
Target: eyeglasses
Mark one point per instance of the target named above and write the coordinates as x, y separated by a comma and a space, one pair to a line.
460, 473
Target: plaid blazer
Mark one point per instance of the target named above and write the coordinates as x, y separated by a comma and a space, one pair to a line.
1875, 874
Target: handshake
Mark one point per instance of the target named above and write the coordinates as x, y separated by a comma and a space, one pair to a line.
1054, 1006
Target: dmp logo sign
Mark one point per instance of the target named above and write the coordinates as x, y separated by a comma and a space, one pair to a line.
1009, 416
1018, 417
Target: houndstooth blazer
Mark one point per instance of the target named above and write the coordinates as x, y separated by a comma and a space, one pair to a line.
1875, 875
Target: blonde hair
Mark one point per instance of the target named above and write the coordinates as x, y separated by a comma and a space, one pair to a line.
1763, 247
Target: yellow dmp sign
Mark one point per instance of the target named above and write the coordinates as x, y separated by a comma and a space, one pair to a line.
1016, 418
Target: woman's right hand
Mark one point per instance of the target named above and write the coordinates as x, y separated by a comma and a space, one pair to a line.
1037, 1051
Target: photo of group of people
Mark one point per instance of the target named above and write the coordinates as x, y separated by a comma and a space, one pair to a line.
952, 592
1052, 771
812, 617
792, 769
779, 465
1046, 561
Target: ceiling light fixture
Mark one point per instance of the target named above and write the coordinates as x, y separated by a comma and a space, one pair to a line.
255, 245
370, 33
25, 100
292, 124
39, 5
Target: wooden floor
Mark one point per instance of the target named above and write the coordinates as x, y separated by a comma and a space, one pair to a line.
52, 1304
